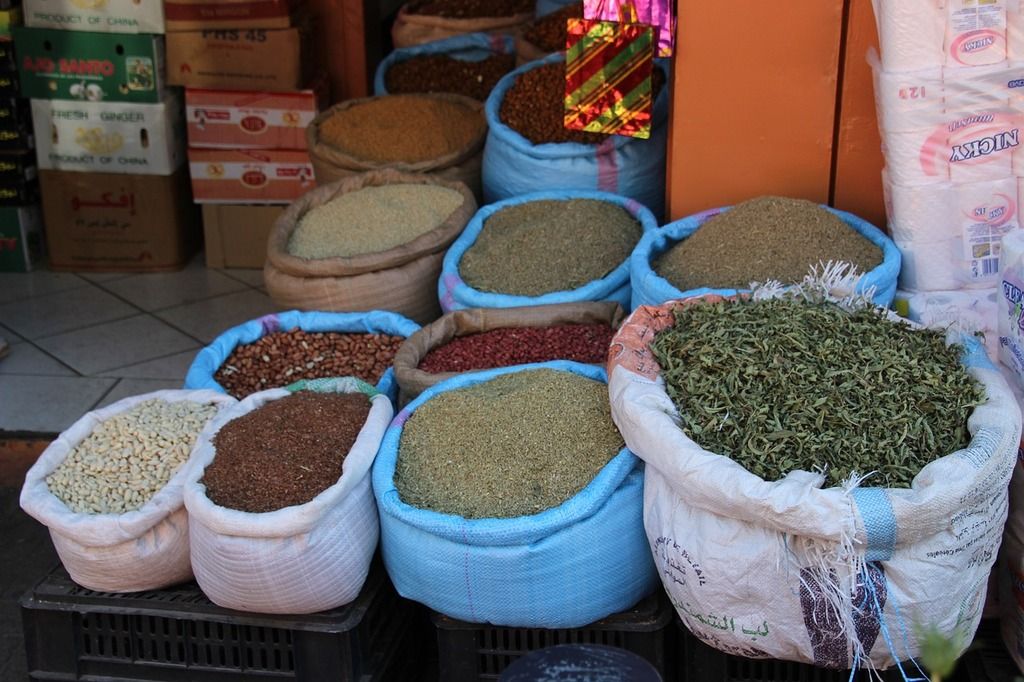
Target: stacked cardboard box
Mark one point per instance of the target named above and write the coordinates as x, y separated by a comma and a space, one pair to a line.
250, 93
110, 135
21, 235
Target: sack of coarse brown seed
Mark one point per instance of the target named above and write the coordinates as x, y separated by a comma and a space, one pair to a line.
401, 278
110, 490
437, 134
412, 380
301, 558
284, 333
413, 27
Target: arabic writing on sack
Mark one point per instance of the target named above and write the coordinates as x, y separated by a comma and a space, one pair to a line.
723, 622
677, 564
977, 530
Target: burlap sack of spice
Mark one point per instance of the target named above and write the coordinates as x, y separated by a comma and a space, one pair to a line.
918, 557
299, 559
412, 381
145, 549
415, 29
402, 279
464, 165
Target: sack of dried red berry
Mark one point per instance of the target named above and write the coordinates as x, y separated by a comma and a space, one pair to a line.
274, 527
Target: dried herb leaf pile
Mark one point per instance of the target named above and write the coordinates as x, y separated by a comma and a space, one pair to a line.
512, 446
785, 383
768, 238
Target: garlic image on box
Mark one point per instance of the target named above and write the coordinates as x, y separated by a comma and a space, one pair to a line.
96, 141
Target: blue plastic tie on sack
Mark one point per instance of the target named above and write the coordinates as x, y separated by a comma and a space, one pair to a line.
470, 47
650, 288
628, 166
564, 567
210, 359
456, 294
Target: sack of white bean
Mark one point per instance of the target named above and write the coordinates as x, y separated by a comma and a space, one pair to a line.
374, 241
110, 490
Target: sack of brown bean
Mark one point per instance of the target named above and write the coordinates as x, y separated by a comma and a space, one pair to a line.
425, 21
529, 149
544, 248
280, 349
282, 514
506, 497
545, 34
437, 134
485, 338
371, 242
469, 65
110, 490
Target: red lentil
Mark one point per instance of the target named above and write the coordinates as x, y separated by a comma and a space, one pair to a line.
520, 345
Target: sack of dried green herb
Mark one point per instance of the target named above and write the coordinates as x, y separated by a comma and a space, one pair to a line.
782, 566
308, 556
543, 248
398, 278
412, 380
561, 567
651, 287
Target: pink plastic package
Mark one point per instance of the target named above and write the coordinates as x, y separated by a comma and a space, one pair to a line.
657, 13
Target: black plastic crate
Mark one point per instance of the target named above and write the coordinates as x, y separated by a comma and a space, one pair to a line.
178, 635
987, 659
468, 652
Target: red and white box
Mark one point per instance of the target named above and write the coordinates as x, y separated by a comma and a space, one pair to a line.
237, 119
254, 176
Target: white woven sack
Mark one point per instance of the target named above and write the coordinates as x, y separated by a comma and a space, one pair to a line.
792, 571
300, 559
139, 550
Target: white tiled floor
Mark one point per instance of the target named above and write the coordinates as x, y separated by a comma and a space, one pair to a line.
82, 341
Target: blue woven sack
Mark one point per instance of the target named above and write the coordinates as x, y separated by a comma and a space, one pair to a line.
628, 166
455, 294
545, 7
470, 47
210, 359
564, 567
650, 288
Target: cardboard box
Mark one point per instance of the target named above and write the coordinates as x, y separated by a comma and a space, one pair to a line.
8, 61
268, 176
15, 124
231, 119
857, 181
117, 222
752, 117
197, 15
110, 137
108, 16
111, 67
253, 59
21, 238
19, 178
236, 236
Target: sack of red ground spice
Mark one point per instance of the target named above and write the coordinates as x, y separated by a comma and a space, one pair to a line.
469, 65
311, 262
426, 21
332, 343
485, 338
528, 148
282, 517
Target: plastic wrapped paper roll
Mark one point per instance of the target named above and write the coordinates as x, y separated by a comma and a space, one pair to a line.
971, 311
911, 33
975, 32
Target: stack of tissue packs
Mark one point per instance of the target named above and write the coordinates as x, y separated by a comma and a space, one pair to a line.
949, 88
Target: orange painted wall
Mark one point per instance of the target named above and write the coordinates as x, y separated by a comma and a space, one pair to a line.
754, 101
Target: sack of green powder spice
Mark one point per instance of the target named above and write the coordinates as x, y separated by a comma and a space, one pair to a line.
210, 359
837, 576
455, 293
297, 559
400, 279
472, 47
413, 27
650, 288
412, 380
142, 549
563, 567
632, 167
454, 162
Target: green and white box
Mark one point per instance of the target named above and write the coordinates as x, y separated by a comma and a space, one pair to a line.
104, 16
21, 238
110, 137
92, 67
